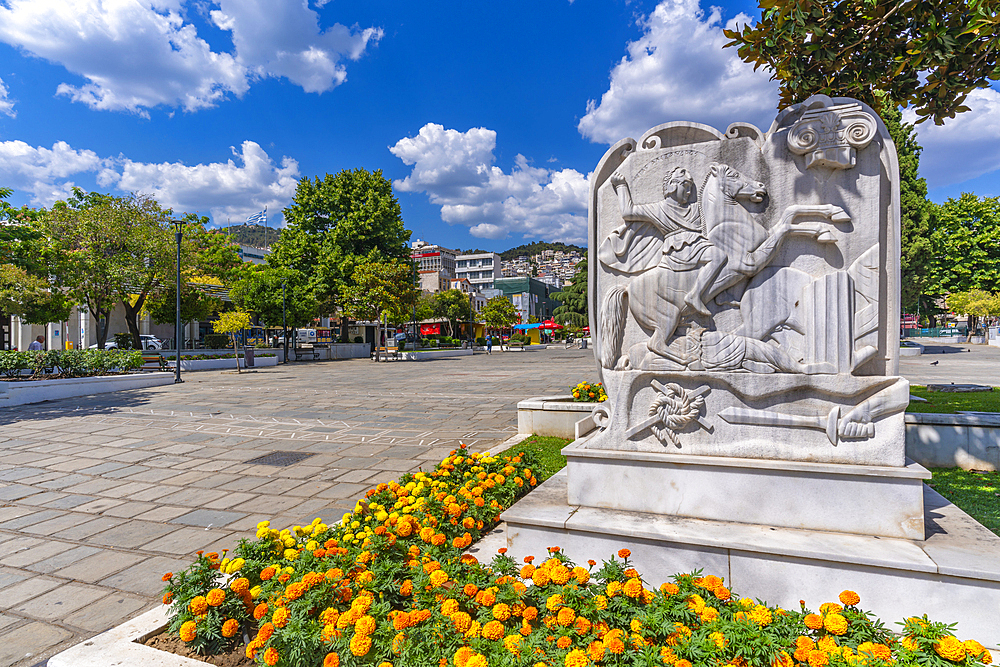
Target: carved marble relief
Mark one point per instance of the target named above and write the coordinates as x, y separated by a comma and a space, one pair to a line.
747, 253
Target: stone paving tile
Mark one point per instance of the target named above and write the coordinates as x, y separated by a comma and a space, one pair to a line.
115, 482
29, 641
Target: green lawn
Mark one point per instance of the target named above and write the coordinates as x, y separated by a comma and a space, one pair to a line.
547, 451
976, 493
950, 403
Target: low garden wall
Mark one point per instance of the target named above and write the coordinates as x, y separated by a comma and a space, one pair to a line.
23, 392
422, 355
970, 442
556, 416
221, 363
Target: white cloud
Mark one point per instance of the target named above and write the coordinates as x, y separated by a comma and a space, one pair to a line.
965, 146
6, 105
678, 70
44, 172
138, 54
232, 189
456, 171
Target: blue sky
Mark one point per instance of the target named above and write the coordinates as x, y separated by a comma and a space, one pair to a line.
488, 117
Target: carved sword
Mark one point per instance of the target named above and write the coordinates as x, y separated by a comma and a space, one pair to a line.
769, 418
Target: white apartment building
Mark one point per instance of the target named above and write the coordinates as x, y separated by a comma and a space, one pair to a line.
431, 257
480, 269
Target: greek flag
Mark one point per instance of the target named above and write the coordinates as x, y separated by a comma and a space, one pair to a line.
260, 217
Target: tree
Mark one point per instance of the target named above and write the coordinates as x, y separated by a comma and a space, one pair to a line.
230, 323
336, 224
30, 297
455, 306
966, 240
976, 304
196, 304
929, 54
377, 289
916, 248
499, 313
260, 292
573, 299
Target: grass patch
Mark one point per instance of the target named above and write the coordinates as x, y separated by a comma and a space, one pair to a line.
944, 402
547, 450
976, 493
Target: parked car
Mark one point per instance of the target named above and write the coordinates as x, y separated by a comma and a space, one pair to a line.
148, 343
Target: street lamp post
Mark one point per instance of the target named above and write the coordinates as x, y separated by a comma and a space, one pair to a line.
178, 333
284, 325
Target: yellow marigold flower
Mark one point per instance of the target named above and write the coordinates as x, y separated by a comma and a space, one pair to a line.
909, 644
976, 650
813, 621
601, 602
230, 627
830, 607
696, 603
566, 616
827, 644
782, 660
613, 588
554, 602
198, 605
633, 588
560, 574
493, 630
513, 644
761, 615
710, 614
950, 648
576, 658
850, 598
462, 655
360, 645
449, 607
365, 625
478, 660
281, 616
580, 574
501, 612
669, 589
188, 631
746, 603
835, 624
718, 639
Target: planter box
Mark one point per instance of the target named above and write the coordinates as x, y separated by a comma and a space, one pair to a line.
556, 416
350, 350
36, 391
225, 364
970, 442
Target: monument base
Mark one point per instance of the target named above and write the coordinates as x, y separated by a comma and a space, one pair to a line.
789, 494
953, 575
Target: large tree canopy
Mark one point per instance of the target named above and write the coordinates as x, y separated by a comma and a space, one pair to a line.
929, 54
336, 223
966, 241
573, 298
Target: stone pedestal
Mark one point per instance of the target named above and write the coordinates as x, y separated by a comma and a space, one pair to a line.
789, 494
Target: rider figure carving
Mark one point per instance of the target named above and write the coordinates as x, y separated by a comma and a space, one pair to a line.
685, 246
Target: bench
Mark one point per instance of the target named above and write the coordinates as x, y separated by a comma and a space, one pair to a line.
306, 353
392, 350
153, 362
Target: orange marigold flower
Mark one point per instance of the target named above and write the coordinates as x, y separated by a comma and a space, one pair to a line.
683, 663
576, 658
554, 602
613, 588
633, 588
710, 614
818, 659
560, 574
167, 576
595, 650
449, 607
566, 616
782, 660
761, 615
540, 577
267, 573
365, 626
493, 630
462, 656
438, 577
260, 610
271, 656
188, 631
406, 587
360, 645
501, 612
295, 591
168, 597
850, 598
976, 650
828, 607
529, 613
624, 553
513, 644
230, 627
281, 617
580, 574
669, 589
813, 621
198, 605
239, 586
265, 632
613, 641
835, 624
827, 644
564, 642
331, 660
486, 598
478, 660
462, 621
950, 648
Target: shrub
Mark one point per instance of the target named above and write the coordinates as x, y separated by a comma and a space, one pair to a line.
69, 363
359, 339
12, 363
124, 341
481, 341
216, 341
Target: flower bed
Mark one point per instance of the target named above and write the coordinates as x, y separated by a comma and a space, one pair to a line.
589, 392
388, 585
203, 357
51, 364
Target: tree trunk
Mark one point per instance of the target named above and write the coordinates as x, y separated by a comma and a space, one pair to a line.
132, 319
232, 337
344, 320
972, 328
378, 337
102, 336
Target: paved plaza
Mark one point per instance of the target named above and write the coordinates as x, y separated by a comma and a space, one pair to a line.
101, 495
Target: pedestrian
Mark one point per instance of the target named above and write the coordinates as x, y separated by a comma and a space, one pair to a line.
37, 344
489, 345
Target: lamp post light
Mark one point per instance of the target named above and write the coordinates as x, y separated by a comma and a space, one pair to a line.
178, 333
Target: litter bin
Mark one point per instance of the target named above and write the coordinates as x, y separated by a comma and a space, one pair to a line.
248, 356
583, 343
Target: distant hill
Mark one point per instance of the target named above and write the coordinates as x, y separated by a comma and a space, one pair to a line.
251, 234
530, 249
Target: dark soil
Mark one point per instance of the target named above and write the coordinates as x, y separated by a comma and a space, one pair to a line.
172, 644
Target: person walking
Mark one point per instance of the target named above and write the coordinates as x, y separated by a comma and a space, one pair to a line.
489, 344
37, 344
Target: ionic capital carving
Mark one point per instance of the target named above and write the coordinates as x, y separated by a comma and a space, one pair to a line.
829, 135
